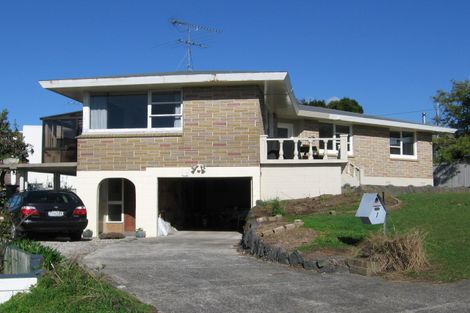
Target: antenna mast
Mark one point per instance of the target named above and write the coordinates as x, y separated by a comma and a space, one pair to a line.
188, 42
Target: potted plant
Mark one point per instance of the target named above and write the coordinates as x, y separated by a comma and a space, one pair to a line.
140, 233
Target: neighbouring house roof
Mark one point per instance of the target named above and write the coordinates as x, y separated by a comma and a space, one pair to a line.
275, 85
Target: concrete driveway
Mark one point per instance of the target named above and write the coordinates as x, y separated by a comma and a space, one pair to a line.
203, 272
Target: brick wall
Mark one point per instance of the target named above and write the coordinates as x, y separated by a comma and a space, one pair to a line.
221, 127
372, 154
372, 151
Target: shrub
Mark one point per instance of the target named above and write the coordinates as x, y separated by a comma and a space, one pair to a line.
275, 206
111, 235
399, 253
51, 256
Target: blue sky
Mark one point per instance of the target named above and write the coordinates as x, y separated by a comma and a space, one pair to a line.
391, 56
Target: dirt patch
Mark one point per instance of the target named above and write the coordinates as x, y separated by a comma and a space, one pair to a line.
327, 203
268, 226
291, 239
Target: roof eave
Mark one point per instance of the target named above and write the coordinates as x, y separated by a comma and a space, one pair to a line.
161, 80
376, 122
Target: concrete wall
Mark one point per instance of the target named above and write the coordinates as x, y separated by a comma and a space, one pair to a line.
146, 188
9, 286
221, 127
299, 181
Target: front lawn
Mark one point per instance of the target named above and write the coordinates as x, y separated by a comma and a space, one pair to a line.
444, 216
66, 287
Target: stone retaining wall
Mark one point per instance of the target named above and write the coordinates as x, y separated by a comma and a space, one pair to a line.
253, 244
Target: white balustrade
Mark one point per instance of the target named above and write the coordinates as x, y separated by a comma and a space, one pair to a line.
300, 149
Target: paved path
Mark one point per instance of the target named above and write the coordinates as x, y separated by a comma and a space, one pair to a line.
203, 272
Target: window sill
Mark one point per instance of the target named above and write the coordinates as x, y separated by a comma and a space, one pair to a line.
112, 133
404, 157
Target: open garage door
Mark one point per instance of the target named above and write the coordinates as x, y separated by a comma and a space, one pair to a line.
204, 203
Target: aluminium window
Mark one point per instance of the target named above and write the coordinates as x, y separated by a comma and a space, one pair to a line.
165, 110
136, 111
334, 131
402, 143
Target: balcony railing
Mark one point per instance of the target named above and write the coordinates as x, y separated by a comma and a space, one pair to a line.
303, 150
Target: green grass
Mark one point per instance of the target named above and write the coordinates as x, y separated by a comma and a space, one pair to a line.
444, 216
69, 288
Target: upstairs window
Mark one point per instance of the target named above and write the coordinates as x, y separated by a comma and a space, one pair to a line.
154, 110
402, 143
166, 110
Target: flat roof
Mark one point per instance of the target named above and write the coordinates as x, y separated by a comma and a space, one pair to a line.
278, 81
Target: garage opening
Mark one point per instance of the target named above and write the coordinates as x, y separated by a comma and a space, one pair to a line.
205, 203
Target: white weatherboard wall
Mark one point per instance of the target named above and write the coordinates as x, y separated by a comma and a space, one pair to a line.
11, 286
293, 182
146, 188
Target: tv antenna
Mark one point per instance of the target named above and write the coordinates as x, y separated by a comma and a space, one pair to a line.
188, 42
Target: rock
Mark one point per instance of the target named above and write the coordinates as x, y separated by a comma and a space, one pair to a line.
298, 223
332, 212
262, 219
261, 246
283, 256
279, 229
295, 258
289, 226
322, 263
310, 265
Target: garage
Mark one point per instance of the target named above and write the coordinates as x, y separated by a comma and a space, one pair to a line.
220, 204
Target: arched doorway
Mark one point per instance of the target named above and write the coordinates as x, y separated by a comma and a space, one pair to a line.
116, 205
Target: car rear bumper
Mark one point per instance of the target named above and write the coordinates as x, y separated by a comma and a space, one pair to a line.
31, 225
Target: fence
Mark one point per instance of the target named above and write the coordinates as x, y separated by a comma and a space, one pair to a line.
452, 175
20, 272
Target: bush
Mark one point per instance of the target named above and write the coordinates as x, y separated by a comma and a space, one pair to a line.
111, 235
51, 256
399, 253
274, 206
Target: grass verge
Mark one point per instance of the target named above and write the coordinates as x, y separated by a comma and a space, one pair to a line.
442, 216
67, 287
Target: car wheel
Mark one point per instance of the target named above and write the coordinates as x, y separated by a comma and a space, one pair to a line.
76, 236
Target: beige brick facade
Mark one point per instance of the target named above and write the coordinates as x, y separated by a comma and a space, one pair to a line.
221, 127
372, 154
372, 151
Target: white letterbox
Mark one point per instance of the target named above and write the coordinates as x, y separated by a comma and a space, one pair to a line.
372, 209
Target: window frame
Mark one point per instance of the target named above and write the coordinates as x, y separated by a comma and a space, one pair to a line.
150, 115
334, 151
288, 126
115, 202
147, 129
402, 156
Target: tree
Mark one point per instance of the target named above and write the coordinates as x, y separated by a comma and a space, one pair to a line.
346, 104
455, 106
11, 143
314, 103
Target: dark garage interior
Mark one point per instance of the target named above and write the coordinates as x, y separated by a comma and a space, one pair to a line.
205, 203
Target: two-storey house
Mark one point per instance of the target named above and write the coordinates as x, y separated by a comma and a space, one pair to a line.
199, 148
